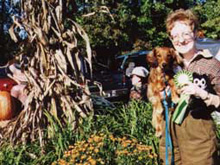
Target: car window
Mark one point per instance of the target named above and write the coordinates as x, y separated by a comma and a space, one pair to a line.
139, 58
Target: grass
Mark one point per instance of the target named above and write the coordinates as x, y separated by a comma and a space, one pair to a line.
120, 135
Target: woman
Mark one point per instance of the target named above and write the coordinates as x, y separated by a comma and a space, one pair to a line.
139, 78
194, 141
17, 91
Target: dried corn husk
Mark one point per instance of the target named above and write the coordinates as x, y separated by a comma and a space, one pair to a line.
56, 87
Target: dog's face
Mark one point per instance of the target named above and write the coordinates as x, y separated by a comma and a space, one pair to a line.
164, 58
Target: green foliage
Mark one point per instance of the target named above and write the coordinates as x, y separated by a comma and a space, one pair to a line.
209, 15
107, 149
133, 120
121, 135
152, 23
25, 154
60, 137
107, 27
129, 24
117, 28
119, 128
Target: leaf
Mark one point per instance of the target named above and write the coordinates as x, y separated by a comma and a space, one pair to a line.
12, 34
53, 73
82, 33
59, 14
53, 107
41, 35
61, 60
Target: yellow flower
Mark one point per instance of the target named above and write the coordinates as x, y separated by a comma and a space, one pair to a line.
151, 156
85, 145
91, 148
134, 140
100, 144
135, 151
90, 140
155, 155
128, 141
119, 139
62, 162
122, 152
102, 134
140, 157
124, 138
92, 161
111, 137
83, 157
124, 144
97, 139
75, 155
96, 150
82, 149
67, 153
89, 158
72, 161
71, 147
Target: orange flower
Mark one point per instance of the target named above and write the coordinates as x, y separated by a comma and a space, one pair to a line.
111, 137
83, 157
71, 147
91, 148
97, 139
124, 144
92, 161
96, 150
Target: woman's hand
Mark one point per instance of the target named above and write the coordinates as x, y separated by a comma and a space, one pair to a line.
192, 89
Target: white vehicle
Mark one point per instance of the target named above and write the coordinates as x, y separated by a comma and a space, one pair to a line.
212, 45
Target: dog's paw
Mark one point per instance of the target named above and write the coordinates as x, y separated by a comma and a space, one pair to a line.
158, 131
175, 100
175, 97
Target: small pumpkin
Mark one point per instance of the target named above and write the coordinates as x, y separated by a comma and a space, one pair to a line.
7, 108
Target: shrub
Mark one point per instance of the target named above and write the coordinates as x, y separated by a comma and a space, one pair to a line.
122, 135
107, 149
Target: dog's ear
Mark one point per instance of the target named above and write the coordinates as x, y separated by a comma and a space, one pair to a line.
177, 57
152, 59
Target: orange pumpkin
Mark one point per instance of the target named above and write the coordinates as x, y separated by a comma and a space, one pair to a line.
7, 109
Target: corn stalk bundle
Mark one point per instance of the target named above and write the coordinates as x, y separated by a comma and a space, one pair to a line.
56, 86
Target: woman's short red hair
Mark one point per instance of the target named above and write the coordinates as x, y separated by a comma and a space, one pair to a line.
187, 16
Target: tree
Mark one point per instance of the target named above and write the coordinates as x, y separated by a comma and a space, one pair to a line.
127, 25
107, 25
6, 45
209, 17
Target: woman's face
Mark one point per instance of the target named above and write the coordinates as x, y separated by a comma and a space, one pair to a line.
182, 37
135, 80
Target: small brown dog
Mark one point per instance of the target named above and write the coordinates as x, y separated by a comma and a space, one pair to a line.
163, 61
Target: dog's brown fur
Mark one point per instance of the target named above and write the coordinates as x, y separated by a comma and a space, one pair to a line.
162, 61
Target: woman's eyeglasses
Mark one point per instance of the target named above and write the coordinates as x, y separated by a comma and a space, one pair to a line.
184, 35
